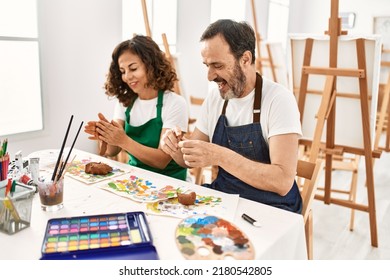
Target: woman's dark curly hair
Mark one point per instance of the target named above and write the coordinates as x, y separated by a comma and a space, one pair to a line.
160, 73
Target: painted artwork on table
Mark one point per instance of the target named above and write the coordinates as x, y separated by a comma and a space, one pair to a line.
204, 204
141, 189
207, 237
77, 171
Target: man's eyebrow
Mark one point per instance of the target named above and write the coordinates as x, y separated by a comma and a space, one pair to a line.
212, 63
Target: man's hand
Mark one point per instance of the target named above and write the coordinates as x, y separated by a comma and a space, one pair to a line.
197, 153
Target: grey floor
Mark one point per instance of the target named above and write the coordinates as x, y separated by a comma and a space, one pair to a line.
332, 238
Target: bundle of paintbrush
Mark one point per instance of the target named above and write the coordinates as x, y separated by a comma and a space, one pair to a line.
61, 164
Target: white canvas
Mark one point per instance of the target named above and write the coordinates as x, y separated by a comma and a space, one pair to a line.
279, 61
348, 127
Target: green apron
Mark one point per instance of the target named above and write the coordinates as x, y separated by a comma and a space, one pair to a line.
148, 134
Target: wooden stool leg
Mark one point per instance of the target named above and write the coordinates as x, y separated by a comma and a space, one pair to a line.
214, 172
352, 198
197, 172
309, 235
387, 145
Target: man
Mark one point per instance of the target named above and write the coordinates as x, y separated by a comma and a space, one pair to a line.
249, 129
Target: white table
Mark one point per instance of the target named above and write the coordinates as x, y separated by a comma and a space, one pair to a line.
280, 237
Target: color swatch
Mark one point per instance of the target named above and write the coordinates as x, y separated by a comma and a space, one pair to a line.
141, 190
77, 171
201, 237
172, 207
99, 232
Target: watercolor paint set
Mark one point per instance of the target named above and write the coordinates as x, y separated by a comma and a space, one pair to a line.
106, 236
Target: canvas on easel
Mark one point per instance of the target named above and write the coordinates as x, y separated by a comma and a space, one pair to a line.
270, 58
383, 118
274, 62
348, 131
382, 27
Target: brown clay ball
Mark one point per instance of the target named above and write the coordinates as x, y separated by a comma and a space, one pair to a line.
97, 168
187, 198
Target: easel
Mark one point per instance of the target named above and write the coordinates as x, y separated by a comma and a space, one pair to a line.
176, 87
326, 113
259, 59
384, 112
351, 164
146, 18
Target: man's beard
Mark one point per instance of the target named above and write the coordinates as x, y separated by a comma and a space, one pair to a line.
236, 87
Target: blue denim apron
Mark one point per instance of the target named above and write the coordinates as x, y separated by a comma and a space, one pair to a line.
247, 140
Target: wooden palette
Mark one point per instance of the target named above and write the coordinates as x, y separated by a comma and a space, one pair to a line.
203, 237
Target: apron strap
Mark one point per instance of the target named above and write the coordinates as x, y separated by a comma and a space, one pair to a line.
256, 103
258, 94
224, 107
159, 103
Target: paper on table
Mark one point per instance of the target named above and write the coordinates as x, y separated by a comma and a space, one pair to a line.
137, 188
222, 204
77, 171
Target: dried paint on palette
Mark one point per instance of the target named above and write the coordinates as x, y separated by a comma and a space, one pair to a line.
212, 238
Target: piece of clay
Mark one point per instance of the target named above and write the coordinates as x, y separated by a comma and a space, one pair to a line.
97, 168
186, 198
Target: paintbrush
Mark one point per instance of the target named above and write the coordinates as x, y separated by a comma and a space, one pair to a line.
70, 151
62, 149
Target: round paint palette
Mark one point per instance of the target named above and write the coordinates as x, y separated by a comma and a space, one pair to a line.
203, 237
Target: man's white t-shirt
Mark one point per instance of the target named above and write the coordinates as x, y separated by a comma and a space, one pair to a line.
279, 111
174, 111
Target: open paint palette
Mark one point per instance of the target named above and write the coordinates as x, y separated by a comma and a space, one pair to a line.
203, 237
111, 236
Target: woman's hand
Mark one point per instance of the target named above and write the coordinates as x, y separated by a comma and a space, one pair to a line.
90, 128
111, 132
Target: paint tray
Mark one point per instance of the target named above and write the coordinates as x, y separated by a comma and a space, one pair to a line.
124, 236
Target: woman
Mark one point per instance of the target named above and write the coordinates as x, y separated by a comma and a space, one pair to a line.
141, 78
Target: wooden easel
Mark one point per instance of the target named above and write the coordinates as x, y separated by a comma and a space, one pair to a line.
146, 18
262, 62
176, 87
351, 164
384, 112
326, 113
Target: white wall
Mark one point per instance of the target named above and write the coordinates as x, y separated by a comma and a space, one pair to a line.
192, 19
311, 16
76, 42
